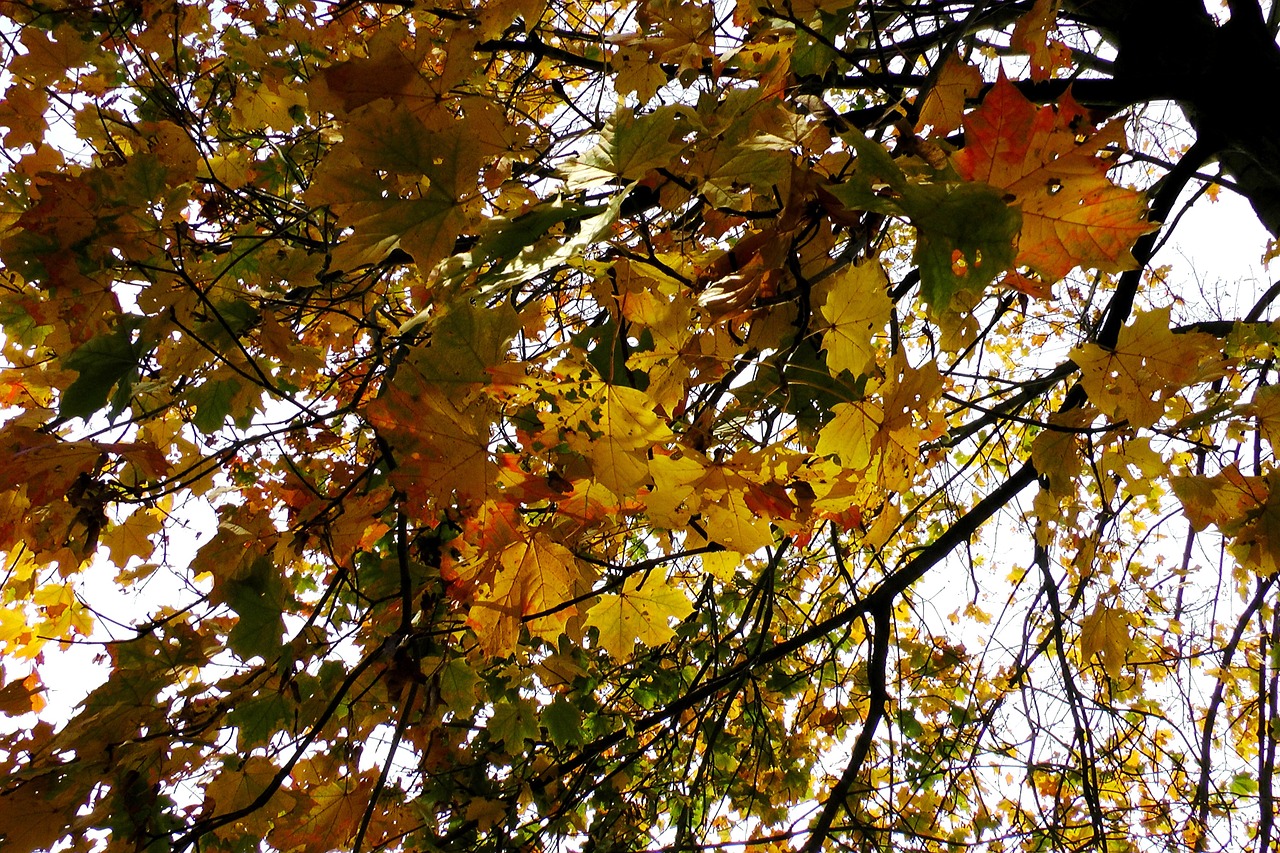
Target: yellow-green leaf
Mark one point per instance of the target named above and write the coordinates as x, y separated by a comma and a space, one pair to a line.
640, 613
856, 309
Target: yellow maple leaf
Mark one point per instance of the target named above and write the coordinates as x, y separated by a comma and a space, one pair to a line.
268, 105
1245, 509
857, 306
1133, 463
884, 526
943, 107
851, 432
618, 468
1105, 632
132, 537
637, 72
1056, 455
533, 576
328, 816
628, 416
615, 427
729, 521
1266, 408
733, 524
640, 613
239, 785
1150, 363
673, 484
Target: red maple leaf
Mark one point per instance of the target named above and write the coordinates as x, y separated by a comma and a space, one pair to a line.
1053, 165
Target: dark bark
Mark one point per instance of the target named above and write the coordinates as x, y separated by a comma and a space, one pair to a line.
1223, 77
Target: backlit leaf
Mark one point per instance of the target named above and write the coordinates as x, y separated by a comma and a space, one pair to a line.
1052, 166
943, 106
1105, 632
857, 308
640, 613
533, 576
1149, 364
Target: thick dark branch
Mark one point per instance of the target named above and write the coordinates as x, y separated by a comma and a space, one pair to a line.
535, 46
877, 675
884, 595
1174, 47
1170, 187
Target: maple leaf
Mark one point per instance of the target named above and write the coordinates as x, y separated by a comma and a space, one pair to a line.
1105, 632
1031, 35
732, 523
1072, 215
535, 575
1265, 406
400, 182
640, 613
453, 462
965, 230
46, 465
1149, 364
674, 33
943, 106
444, 447
730, 520
268, 105
636, 72
330, 812
389, 71
237, 786
630, 145
49, 55
857, 306
1245, 509
467, 340
22, 114
132, 537
36, 811
851, 433
615, 427
1057, 456
626, 416
674, 482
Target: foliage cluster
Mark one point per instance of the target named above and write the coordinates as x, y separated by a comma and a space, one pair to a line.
539, 425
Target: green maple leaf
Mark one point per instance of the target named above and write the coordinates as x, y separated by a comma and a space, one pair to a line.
466, 341
630, 145
103, 363
966, 232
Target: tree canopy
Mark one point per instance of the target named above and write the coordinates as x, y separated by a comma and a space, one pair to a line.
662, 425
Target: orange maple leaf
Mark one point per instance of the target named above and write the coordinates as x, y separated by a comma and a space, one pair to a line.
1053, 165
533, 576
1031, 35
443, 448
